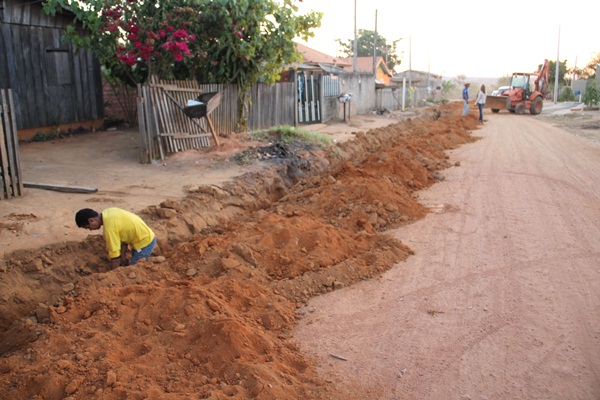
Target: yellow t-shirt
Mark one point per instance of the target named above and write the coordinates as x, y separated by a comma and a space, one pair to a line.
122, 226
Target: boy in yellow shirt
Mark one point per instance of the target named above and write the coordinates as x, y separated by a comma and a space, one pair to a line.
121, 229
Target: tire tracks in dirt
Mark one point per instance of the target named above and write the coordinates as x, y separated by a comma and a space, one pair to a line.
512, 270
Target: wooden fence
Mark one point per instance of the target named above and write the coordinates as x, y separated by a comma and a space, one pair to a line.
10, 167
165, 128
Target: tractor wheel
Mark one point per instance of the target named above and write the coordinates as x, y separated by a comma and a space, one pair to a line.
495, 110
520, 109
536, 106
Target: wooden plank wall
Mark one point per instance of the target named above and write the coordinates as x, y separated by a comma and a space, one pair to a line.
52, 83
10, 166
272, 105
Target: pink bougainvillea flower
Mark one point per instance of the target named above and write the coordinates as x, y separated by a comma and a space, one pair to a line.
180, 34
128, 59
183, 47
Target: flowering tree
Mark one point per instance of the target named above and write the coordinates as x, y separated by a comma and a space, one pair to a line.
212, 41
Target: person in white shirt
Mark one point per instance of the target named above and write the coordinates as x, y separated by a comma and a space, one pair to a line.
480, 101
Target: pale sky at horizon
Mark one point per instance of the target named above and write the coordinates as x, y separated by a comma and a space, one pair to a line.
466, 36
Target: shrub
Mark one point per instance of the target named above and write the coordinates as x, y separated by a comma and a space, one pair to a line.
592, 95
566, 94
43, 137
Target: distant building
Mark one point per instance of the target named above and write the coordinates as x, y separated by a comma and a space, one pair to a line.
426, 85
383, 75
327, 63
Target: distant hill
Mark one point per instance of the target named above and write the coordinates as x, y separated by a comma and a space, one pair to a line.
490, 83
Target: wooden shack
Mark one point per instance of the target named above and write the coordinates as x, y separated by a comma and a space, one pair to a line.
55, 87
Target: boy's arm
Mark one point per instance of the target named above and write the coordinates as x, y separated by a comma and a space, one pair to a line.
124, 260
115, 262
120, 261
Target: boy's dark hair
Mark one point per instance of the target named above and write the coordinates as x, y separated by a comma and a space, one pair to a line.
83, 215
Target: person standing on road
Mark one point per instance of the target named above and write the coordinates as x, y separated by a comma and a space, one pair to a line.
121, 230
465, 97
480, 101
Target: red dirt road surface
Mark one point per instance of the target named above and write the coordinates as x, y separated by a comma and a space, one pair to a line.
502, 297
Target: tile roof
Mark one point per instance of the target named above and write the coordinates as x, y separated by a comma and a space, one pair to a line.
312, 56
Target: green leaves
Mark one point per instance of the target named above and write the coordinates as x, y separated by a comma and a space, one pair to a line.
364, 44
234, 41
591, 96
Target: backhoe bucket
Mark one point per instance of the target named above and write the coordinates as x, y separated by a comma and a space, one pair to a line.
496, 102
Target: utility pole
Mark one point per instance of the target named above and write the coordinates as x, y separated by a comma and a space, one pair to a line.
409, 61
557, 69
428, 74
412, 100
375, 48
573, 77
355, 41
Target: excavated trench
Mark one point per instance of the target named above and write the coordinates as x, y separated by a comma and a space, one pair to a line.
209, 315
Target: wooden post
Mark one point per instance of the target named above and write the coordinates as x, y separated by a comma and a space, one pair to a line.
144, 151
15, 134
212, 130
12, 186
4, 133
5, 192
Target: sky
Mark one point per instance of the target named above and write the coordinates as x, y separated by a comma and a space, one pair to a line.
466, 37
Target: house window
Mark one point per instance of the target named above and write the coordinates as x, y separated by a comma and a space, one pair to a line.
58, 67
330, 86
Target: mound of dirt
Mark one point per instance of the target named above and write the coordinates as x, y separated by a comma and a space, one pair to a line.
209, 315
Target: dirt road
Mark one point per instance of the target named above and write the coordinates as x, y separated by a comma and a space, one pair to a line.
501, 299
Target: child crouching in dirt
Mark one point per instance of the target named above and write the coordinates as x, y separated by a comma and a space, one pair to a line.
121, 229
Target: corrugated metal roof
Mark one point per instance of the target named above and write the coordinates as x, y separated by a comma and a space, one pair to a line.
333, 69
303, 66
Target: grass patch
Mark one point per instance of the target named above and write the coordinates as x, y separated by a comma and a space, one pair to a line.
288, 134
43, 137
